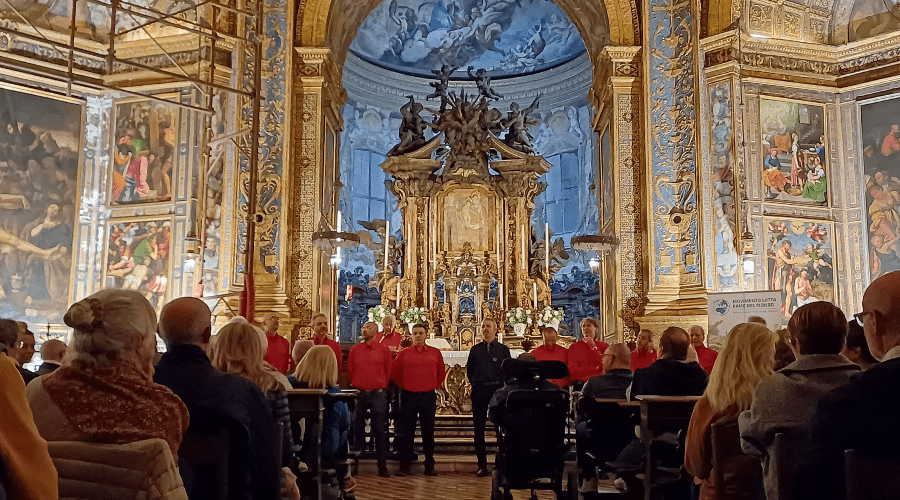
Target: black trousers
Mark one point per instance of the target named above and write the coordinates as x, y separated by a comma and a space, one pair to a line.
373, 404
415, 406
481, 396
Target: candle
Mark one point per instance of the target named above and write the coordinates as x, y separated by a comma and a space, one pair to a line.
534, 297
387, 239
500, 295
431, 296
547, 248
398, 296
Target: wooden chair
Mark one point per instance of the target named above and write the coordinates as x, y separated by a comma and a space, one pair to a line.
306, 406
737, 476
661, 415
870, 479
207, 456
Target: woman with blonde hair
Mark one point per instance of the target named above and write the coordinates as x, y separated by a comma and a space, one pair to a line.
747, 357
237, 350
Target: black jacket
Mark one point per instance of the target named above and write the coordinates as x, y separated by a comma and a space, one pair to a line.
186, 370
669, 377
483, 365
610, 385
46, 368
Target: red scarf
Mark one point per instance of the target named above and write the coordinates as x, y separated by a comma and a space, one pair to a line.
117, 404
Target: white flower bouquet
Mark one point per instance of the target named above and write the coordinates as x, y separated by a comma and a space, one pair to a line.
550, 317
414, 315
377, 313
518, 315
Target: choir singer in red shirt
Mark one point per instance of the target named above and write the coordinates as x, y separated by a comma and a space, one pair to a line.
369, 366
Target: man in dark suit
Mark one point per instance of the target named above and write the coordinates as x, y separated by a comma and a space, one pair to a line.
861, 415
213, 396
671, 374
485, 375
52, 352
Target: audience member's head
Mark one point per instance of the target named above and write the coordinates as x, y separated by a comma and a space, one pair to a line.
747, 356
237, 350
23, 349
697, 336
111, 326
550, 335
185, 320
319, 324
301, 347
589, 328
527, 356
54, 350
419, 333
881, 314
673, 344
387, 323
489, 329
9, 332
645, 341
784, 353
318, 369
818, 328
855, 347
757, 319
271, 324
617, 357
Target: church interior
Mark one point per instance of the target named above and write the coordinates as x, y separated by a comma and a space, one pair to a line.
532, 161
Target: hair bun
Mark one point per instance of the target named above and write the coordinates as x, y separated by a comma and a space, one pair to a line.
85, 315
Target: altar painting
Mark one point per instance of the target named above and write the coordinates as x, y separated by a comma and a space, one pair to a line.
799, 262
40, 152
144, 151
881, 165
793, 147
137, 257
468, 215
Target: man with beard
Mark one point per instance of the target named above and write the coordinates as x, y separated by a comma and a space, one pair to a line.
320, 336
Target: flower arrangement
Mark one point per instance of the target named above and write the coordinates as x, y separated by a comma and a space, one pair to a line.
414, 315
550, 317
377, 313
518, 315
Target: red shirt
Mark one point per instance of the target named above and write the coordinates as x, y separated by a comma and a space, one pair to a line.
369, 366
642, 359
391, 341
419, 369
553, 353
278, 353
585, 360
707, 358
332, 344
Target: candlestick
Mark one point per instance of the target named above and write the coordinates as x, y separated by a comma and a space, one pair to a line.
398, 296
547, 249
387, 240
534, 297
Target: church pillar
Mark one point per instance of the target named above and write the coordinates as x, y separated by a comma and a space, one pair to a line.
313, 182
627, 157
670, 79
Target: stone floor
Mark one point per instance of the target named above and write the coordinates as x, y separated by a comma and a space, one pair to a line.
446, 486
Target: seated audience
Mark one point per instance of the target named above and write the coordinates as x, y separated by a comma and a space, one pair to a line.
645, 353
784, 354
705, 356
28, 472
585, 357
671, 374
264, 344
757, 319
855, 348
604, 429
238, 350
497, 406
861, 415
22, 351
786, 400
52, 352
319, 370
107, 394
747, 357
184, 325
301, 347
550, 351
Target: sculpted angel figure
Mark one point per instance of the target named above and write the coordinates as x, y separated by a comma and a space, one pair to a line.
517, 121
441, 86
483, 82
412, 128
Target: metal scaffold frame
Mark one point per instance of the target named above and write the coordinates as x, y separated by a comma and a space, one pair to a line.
201, 18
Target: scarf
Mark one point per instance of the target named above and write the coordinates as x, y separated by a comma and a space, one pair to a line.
117, 403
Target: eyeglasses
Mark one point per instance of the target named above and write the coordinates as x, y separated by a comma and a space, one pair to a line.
861, 316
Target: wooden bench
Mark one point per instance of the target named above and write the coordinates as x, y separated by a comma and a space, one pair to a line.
659, 415
306, 406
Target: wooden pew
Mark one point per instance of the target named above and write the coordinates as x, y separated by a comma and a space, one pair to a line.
660, 414
307, 405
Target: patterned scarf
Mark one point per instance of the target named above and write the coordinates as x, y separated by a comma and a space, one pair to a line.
117, 403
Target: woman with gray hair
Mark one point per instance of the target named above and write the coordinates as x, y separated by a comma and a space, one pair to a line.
107, 394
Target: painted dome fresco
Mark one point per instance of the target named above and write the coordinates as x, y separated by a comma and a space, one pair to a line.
506, 37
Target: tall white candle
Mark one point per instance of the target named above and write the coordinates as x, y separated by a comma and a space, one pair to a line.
398, 296
500, 295
534, 296
387, 240
547, 249
431, 296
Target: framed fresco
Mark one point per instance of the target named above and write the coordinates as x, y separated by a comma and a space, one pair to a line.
794, 166
607, 183
799, 261
137, 257
41, 148
144, 151
468, 215
880, 123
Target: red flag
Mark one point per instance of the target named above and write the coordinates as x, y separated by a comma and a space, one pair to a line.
247, 304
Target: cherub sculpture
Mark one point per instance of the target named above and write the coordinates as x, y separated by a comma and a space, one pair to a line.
412, 128
395, 249
441, 86
483, 82
558, 256
517, 121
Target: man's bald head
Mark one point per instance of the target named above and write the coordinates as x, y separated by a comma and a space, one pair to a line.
621, 357
53, 350
185, 320
301, 347
673, 344
881, 314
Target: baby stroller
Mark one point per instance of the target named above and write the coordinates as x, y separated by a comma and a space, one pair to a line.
531, 414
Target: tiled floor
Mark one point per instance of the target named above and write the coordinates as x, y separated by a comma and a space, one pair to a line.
446, 486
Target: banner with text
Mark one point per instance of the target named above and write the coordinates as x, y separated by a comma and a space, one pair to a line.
726, 310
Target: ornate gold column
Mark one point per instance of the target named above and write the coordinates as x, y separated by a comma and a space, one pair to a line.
318, 96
